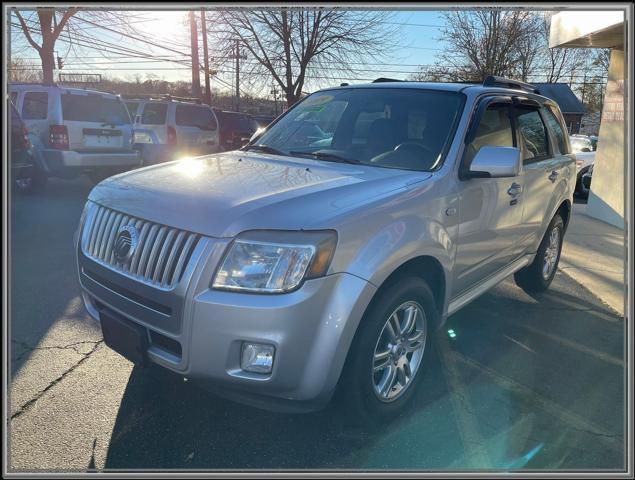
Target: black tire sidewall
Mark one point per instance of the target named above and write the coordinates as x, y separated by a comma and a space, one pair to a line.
358, 388
531, 279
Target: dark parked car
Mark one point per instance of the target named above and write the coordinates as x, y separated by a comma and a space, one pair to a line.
235, 129
27, 173
586, 182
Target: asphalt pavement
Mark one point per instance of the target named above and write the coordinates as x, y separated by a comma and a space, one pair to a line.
516, 382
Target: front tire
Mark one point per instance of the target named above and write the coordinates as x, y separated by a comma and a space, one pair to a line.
538, 276
389, 354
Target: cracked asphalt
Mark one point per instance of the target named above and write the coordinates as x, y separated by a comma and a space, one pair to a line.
522, 383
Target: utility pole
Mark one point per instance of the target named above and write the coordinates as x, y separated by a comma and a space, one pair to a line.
196, 73
208, 93
274, 92
237, 75
238, 57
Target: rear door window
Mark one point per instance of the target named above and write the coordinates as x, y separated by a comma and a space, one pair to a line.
94, 108
533, 133
35, 106
14, 98
195, 116
558, 130
154, 113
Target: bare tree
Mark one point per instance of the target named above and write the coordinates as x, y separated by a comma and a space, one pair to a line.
602, 59
43, 26
295, 44
21, 72
486, 42
557, 63
49, 31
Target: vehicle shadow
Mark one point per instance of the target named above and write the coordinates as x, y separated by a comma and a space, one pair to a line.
168, 423
506, 387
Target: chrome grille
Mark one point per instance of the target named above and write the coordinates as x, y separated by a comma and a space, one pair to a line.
161, 255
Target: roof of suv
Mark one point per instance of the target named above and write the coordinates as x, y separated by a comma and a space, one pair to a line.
40, 87
496, 85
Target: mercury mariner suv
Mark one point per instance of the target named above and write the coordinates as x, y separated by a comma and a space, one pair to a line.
322, 256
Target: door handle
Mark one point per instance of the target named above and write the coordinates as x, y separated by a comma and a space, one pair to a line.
553, 176
514, 190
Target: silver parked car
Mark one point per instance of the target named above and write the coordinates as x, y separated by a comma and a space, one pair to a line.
180, 126
77, 130
324, 254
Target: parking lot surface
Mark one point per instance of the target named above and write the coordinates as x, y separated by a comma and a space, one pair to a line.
517, 382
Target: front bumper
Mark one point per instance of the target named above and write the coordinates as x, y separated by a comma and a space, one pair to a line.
57, 160
310, 328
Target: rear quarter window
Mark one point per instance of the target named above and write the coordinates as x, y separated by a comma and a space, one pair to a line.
154, 113
132, 108
94, 108
35, 106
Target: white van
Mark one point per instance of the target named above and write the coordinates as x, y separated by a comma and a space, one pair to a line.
77, 130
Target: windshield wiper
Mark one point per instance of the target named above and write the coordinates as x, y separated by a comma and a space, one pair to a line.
264, 149
329, 157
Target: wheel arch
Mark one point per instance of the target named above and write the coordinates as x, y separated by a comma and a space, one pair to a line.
425, 267
564, 210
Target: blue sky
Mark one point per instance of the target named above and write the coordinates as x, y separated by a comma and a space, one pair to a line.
419, 44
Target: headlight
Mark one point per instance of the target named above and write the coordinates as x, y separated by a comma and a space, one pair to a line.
275, 262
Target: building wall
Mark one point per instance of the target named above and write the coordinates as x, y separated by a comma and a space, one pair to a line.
606, 199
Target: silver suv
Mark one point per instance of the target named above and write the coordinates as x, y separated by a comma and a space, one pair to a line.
324, 254
168, 126
77, 130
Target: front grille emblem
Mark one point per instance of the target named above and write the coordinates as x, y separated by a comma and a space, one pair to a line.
125, 243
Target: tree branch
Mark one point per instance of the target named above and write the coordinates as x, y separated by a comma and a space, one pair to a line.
27, 33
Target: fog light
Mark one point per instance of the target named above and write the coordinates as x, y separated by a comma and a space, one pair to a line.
257, 357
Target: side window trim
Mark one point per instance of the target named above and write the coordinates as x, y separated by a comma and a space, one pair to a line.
518, 101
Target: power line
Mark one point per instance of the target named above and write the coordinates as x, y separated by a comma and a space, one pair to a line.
133, 37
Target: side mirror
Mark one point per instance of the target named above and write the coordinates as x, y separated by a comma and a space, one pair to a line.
256, 134
496, 162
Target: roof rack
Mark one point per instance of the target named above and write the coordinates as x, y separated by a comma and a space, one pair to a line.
159, 96
42, 84
494, 81
384, 79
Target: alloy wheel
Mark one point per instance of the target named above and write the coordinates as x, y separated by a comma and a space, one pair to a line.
551, 253
398, 351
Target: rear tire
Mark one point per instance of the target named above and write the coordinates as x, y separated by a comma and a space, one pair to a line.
33, 183
538, 276
365, 402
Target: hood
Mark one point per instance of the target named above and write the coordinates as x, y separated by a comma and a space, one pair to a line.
221, 195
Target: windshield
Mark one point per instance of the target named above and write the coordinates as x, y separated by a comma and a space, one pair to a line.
94, 108
397, 128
